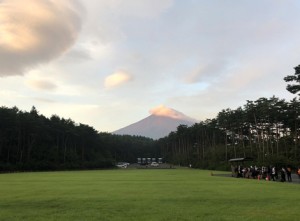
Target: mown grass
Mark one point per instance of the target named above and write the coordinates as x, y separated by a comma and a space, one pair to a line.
115, 195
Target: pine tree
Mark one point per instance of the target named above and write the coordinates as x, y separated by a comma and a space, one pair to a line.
294, 88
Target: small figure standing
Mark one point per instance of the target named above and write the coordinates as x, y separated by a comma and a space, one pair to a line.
273, 174
282, 174
289, 174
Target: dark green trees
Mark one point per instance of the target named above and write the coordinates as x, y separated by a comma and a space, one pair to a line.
266, 129
294, 88
30, 141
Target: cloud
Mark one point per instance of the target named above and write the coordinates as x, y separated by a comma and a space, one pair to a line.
164, 111
44, 100
205, 72
77, 55
141, 9
116, 79
41, 85
35, 32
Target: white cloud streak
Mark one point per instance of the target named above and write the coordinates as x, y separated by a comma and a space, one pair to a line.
41, 85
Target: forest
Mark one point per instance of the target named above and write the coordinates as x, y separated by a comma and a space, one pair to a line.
31, 142
267, 130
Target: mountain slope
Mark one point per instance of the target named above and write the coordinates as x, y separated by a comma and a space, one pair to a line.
157, 125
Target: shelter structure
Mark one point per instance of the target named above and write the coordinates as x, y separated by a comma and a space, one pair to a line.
235, 164
240, 160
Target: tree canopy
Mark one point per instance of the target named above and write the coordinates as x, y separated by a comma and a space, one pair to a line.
267, 129
294, 88
30, 141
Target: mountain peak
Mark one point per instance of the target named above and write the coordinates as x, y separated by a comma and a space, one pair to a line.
160, 123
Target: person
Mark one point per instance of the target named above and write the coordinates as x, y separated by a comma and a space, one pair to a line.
240, 172
289, 173
282, 174
236, 171
269, 171
273, 174
276, 174
298, 172
252, 172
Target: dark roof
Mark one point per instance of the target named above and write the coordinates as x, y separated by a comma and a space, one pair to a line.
241, 159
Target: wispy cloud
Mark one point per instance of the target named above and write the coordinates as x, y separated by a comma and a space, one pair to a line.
41, 85
205, 72
44, 100
141, 9
77, 55
35, 32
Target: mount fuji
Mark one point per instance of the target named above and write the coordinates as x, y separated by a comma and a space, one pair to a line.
159, 124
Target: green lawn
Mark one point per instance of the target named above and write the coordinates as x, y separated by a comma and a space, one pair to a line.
137, 194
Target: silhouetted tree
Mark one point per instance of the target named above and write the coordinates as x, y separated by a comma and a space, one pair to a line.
294, 88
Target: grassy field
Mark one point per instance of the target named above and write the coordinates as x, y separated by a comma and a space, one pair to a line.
176, 194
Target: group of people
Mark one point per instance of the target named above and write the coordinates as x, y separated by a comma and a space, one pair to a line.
282, 174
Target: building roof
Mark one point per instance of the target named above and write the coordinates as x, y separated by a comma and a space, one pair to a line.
241, 159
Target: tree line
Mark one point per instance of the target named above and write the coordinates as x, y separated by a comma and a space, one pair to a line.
30, 141
267, 129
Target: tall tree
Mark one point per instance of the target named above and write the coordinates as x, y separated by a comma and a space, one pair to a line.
294, 88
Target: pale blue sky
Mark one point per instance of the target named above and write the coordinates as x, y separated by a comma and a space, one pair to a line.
107, 63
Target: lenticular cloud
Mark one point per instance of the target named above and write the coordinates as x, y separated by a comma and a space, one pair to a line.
34, 32
164, 111
116, 79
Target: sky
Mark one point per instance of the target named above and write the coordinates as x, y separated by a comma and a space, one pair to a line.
110, 63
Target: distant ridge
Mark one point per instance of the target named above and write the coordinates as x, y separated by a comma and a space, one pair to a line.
159, 124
